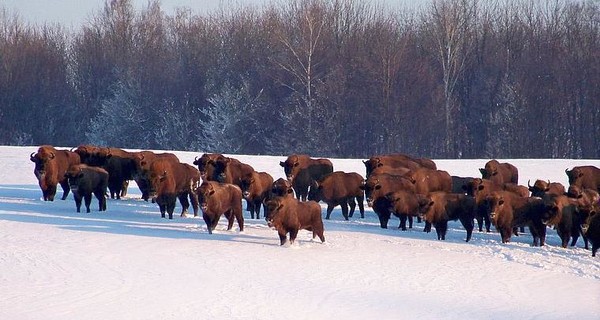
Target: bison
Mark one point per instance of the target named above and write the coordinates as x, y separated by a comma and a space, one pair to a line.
301, 170
428, 180
565, 217
206, 166
377, 187
119, 163
541, 187
50, 168
84, 181
217, 199
443, 207
509, 211
406, 205
256, 187
171, 181
339, 188
397, 161
230, 170
481, 189
289, 215
143, 160
584, 177
500, 172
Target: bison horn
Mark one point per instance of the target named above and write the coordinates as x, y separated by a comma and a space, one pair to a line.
548, 182
52, 155
195, 158
529, 184
567, 170
31, 155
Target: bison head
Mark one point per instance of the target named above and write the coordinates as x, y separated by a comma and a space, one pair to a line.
74, 175
574, 175
315, 192
538, 188
274, 207
205, 191
282, 187
291, 166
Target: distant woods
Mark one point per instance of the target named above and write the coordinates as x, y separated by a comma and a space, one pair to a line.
336, 78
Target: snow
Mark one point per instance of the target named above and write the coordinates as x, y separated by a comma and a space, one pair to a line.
128, 263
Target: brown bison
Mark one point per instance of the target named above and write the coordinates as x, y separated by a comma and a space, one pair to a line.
230, 170
587, 200
84, 181
142, 161
500, 172
217, 199
289, 215
206, 166
50, 168
509, 211
406, 205
301, 170
119, 163
591, 230
541, 187
377, 187
481, 189
584, 177
443, 207
340, 188
565, 217
428, 180
256, 187
397, 160
170, 181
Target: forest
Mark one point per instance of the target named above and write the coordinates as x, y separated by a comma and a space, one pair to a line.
332, 78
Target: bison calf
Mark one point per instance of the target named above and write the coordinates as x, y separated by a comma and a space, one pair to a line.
288, 215
85, 181
218, 199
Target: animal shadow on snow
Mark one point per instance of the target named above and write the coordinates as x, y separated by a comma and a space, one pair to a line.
128, 217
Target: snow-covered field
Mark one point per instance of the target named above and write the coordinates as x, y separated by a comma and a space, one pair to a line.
128, 263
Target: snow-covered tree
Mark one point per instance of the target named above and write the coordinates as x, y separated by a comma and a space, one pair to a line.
122, 121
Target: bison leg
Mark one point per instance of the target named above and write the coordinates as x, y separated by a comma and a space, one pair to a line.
194, 201
163, 209
185, 204
427, 227
403, 218
77, 202
293, 235
344, 206
595, 247
329, 210
171, 208
384, 217
124, 187
361, 206
467, 223
88, 202
282, 237
442, 229
66, 188
352, 205
240, 219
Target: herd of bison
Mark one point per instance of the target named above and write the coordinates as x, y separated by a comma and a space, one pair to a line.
395, 184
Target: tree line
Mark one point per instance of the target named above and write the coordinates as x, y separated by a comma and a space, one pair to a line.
335, 78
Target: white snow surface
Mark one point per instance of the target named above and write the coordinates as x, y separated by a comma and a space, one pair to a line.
128, 263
